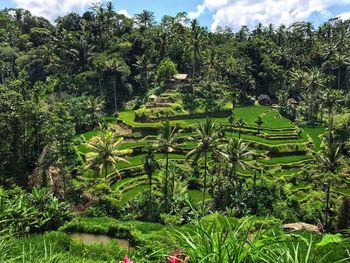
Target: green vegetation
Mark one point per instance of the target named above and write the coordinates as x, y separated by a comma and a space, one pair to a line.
182, 143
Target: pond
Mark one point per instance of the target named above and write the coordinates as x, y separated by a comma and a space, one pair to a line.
87, 238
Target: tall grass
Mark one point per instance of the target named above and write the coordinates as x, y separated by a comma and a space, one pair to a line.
226, 242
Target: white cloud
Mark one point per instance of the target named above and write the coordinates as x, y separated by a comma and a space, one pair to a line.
344, 16
51, 9
235, 13
125, 13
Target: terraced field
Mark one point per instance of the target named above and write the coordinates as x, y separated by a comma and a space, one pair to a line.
281, 148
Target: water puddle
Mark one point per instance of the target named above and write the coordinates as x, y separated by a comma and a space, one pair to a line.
88, 239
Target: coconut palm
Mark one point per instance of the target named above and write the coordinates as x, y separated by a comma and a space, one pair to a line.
315, 83
166, 143
95, 106
329, 160
234, 154
150, 165
207, 138
338, 62
297, 81
197, 40
103, 153
119, 69
145, 18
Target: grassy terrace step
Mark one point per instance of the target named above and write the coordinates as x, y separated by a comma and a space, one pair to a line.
315, 133
138, 159
252, 138
291, 159
133, 192
196, 196
271, 117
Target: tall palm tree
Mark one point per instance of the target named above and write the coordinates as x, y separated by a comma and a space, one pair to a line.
145, 18
207, 138
119, 69
95, 106
144, 67
339, 61
329, 160
150, 165
197, 40
315, 83
234, 154
103, 153
297, 81
166, 143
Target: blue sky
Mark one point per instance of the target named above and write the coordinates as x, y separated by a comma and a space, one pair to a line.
211, 13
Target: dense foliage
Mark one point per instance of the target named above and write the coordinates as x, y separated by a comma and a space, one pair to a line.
144, 130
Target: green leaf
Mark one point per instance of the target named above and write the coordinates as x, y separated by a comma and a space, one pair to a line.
330, 239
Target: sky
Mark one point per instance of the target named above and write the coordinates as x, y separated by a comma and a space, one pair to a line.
211, 13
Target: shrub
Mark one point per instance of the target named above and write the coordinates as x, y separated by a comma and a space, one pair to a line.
166, 69
264, 99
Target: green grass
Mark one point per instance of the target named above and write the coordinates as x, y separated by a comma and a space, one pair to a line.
252, 138
286, 159
197, 196
138, 159
271, 117
315, 132
133, 192
120, 183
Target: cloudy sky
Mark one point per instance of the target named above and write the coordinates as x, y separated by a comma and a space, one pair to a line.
212, 13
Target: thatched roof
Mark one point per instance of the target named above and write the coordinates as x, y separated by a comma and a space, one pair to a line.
181, 76
153, 97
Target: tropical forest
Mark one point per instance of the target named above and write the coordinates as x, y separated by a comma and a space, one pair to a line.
137, 139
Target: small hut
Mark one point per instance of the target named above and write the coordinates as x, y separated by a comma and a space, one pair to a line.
181, 78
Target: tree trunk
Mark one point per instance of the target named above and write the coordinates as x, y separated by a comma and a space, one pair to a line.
254, 192
150, 187
166, 181
327, 206
99, 84
115, 95
339, 78
37, 137
205, 177
194, 66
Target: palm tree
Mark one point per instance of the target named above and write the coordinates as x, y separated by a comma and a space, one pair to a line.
329, 160
315, 82
259, 121
240, 124
207, 137
103, 153
234, 153
119, 69
95, 106
145, 18
150, 166
197, 41
166, 143
339, 61
297, 81
144, 66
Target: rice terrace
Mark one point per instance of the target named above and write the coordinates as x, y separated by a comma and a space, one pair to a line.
174, 138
